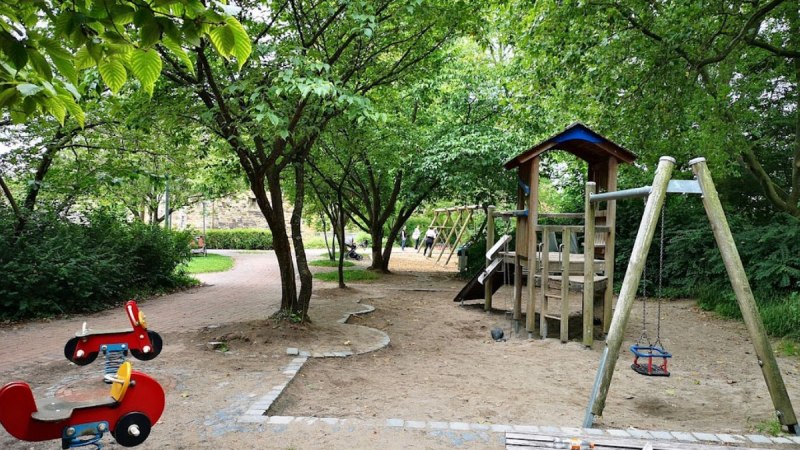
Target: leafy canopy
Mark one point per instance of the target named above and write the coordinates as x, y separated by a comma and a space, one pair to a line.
44, 46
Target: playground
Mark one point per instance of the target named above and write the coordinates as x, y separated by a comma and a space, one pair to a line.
440, 366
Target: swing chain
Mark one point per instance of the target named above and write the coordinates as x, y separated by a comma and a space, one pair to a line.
660, 275
644, 338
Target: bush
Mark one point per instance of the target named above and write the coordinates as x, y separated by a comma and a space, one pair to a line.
241, 239
54, 266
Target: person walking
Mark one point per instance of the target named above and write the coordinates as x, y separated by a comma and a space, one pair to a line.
403, 238
415, 236
430, 235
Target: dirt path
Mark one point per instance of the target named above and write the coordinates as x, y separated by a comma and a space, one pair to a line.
441, 366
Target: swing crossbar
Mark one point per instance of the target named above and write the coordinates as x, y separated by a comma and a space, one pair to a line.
649, 352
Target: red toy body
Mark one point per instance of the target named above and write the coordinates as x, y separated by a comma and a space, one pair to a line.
143, 344
129, 418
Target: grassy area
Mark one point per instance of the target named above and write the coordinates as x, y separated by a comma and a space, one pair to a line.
329, 263
210, 263
349, 275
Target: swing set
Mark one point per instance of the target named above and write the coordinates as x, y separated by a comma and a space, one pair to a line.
656, 195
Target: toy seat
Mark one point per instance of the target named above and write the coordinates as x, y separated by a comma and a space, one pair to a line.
57, 410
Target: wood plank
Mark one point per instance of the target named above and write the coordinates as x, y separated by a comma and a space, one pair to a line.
525, 440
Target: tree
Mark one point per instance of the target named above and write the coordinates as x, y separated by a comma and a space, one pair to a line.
313, 61
675, 77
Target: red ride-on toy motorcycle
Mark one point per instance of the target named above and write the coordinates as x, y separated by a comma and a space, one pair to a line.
142, 344
135, 403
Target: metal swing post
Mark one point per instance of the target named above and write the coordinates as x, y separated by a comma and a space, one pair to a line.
744, 296
619, 322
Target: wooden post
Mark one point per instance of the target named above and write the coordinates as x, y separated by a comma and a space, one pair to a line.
440, 231
545, 280
608, 255
533, 219
744, 296
487, 284
630, 285
588, 266
452, 231
565, 249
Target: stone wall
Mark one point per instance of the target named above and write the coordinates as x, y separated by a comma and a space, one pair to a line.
237, 211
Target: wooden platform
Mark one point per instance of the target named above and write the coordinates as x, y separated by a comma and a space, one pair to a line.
525, 441
575, 262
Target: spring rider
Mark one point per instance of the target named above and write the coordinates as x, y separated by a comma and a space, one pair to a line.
142, 343
134, 404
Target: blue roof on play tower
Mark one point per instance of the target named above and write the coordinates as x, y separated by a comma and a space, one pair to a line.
579, 140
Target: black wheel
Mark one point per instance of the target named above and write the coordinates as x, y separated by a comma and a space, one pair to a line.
132, 429
69, 353
155, 339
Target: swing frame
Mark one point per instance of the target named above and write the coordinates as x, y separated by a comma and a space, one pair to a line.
703, 185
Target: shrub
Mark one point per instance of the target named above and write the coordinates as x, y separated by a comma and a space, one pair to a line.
55, 266
241, 239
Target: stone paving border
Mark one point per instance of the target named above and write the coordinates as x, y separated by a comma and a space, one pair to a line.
257, 414
258, 410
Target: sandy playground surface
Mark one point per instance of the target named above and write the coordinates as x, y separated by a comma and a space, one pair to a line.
441, 365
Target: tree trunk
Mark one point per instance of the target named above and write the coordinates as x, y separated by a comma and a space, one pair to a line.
296, 221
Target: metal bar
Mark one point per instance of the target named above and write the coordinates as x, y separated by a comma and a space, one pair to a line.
619, 195
630, 284
744, 296
684, 187
487, 286
515, 213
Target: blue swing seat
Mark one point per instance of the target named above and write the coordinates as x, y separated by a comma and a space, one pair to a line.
649, 352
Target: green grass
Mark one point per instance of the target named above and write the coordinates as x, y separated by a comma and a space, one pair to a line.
210, 263
771, 427
328, 263
349, 275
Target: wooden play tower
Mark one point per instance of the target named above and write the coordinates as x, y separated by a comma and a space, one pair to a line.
552, 270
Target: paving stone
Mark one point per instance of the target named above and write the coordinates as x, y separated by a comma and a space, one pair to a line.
730, 438
706, 437
618, 433
781, 440
683, 436
280, 420
662, 435
593, 431
571, 431
305, 354
499, 428
292, 351
394, 422
758, 439
305, 420
480, 426
330, 420
551, 429
439, 425
795, 438
526, 429
459, 426
416, 424
252, 419
300, 360
639, 434
260, 406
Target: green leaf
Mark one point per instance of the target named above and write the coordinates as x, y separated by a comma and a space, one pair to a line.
8, 96
122, 14
40, 65
179, 52
146, 66
83, 60
14, 49
150, 33
56, 107
62, 59
113, 73
28, 89
223, 39
73, 108
241, 47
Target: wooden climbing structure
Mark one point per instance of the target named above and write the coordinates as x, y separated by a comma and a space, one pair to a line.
558, 270
451, 225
